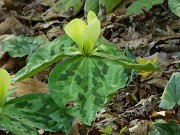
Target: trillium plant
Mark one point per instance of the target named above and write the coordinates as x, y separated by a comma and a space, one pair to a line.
92, 72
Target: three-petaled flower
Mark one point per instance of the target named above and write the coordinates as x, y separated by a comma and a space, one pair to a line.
84, 35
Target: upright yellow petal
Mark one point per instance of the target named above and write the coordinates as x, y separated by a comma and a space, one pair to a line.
75, 29
91, 15
4, 83
91, 33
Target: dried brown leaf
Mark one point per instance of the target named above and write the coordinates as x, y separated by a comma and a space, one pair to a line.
29, 86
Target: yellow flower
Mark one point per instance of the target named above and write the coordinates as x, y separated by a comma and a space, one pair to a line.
84, 35
145, 74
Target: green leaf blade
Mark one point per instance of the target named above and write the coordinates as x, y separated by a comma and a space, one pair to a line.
127, 63
44, 57
68, 8
171, 94
107, 6
91, 5
82, 83
175, 6
110, 49
165, 128
21, 45
37, 110
137, 6
14, 126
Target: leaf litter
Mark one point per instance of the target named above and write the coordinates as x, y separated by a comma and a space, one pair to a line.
153, 34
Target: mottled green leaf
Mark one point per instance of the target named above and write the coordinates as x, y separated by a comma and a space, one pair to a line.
175, 6
163, 128
107, 48
21, 45
137, 6
92, 5
14, 126
68, 8
127, 64
171, 94
110, 51
32, 111
107, 6
45, 56
81, 86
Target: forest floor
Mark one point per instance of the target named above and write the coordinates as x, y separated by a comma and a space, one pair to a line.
150, 35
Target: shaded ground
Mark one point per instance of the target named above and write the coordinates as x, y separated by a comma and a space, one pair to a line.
154, 34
